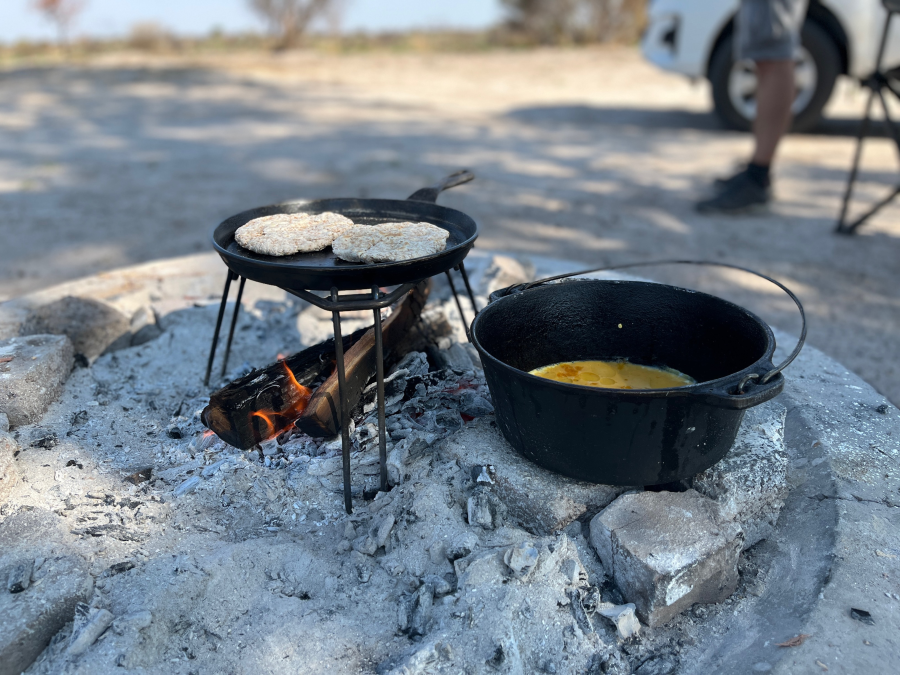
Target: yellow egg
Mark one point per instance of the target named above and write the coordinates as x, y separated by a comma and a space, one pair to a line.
614, 375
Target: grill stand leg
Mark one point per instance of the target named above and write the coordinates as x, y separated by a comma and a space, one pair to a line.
462, 316
465, 278
234, 318
344, 407
215, 340
379, 374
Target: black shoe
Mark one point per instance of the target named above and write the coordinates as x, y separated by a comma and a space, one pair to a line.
720, 184
738, 193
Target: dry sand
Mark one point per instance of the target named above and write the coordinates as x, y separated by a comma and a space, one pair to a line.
587, 154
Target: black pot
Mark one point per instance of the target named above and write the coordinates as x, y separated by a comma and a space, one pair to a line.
613, 436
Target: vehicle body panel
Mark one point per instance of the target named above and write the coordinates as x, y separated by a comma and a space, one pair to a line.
681, 34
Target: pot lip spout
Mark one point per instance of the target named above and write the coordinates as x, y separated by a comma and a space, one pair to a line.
719, 388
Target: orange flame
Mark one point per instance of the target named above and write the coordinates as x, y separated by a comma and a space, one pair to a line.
277, 421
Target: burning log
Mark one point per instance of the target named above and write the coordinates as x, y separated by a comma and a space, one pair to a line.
268, 401
322, 415
265, 402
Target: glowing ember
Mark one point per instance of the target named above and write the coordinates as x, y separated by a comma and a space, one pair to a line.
276, 421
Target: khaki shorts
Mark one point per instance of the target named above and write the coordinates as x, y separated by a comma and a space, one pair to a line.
769, 30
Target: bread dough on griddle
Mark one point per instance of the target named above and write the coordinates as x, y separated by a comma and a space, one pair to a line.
288, 233
391, 242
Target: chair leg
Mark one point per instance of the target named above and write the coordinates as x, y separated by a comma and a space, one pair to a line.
863, 130
877, 82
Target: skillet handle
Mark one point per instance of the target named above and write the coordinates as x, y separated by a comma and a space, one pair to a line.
430, 194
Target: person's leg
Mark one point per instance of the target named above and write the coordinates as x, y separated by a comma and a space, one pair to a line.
774, 97
768, 33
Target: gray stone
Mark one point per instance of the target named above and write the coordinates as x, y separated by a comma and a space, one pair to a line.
505, 271
750, 483
9, 475
34, 616
20, 576
521, 559
623, 618
421, 614
541, 501
479, 511
365, 545
135, 621
424, 661
667, 550
461, 546
90, 623
383, 533
33, 377
377, 536
4, 421
440, 585
93, 326
480, 569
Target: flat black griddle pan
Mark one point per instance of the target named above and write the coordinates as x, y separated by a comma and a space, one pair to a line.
322, 271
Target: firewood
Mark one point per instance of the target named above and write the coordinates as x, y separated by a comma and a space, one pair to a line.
232, 411
268, 401
322, 414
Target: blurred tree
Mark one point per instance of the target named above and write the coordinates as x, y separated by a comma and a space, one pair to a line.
60, 12
560, 21
290, 18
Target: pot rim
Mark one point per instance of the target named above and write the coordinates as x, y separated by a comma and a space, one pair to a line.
764, 362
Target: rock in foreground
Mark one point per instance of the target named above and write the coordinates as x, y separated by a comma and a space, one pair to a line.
33, 616
32, 372
668, 550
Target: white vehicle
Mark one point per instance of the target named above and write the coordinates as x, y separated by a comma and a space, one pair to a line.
840, 37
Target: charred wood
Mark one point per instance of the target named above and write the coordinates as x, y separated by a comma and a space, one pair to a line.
230, 413
322, 416
270, 400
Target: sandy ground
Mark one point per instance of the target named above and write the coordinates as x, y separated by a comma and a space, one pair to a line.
590, 154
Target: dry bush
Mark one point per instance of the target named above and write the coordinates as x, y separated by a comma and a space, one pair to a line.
576, 21
148, 36
290, 19
60, 12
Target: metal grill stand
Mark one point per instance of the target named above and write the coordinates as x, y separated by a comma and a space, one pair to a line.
336, 303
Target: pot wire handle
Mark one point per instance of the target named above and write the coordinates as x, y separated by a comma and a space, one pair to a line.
752, 377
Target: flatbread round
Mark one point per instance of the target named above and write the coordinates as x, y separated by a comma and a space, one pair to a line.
391, 242
288, 233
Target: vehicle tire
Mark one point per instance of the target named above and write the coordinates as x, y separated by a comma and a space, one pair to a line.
734, 84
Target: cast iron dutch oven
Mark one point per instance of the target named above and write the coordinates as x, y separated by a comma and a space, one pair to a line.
614, 436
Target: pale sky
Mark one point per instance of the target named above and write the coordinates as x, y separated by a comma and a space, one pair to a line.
104, 18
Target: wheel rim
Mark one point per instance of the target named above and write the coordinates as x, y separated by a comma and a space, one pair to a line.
742, 84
